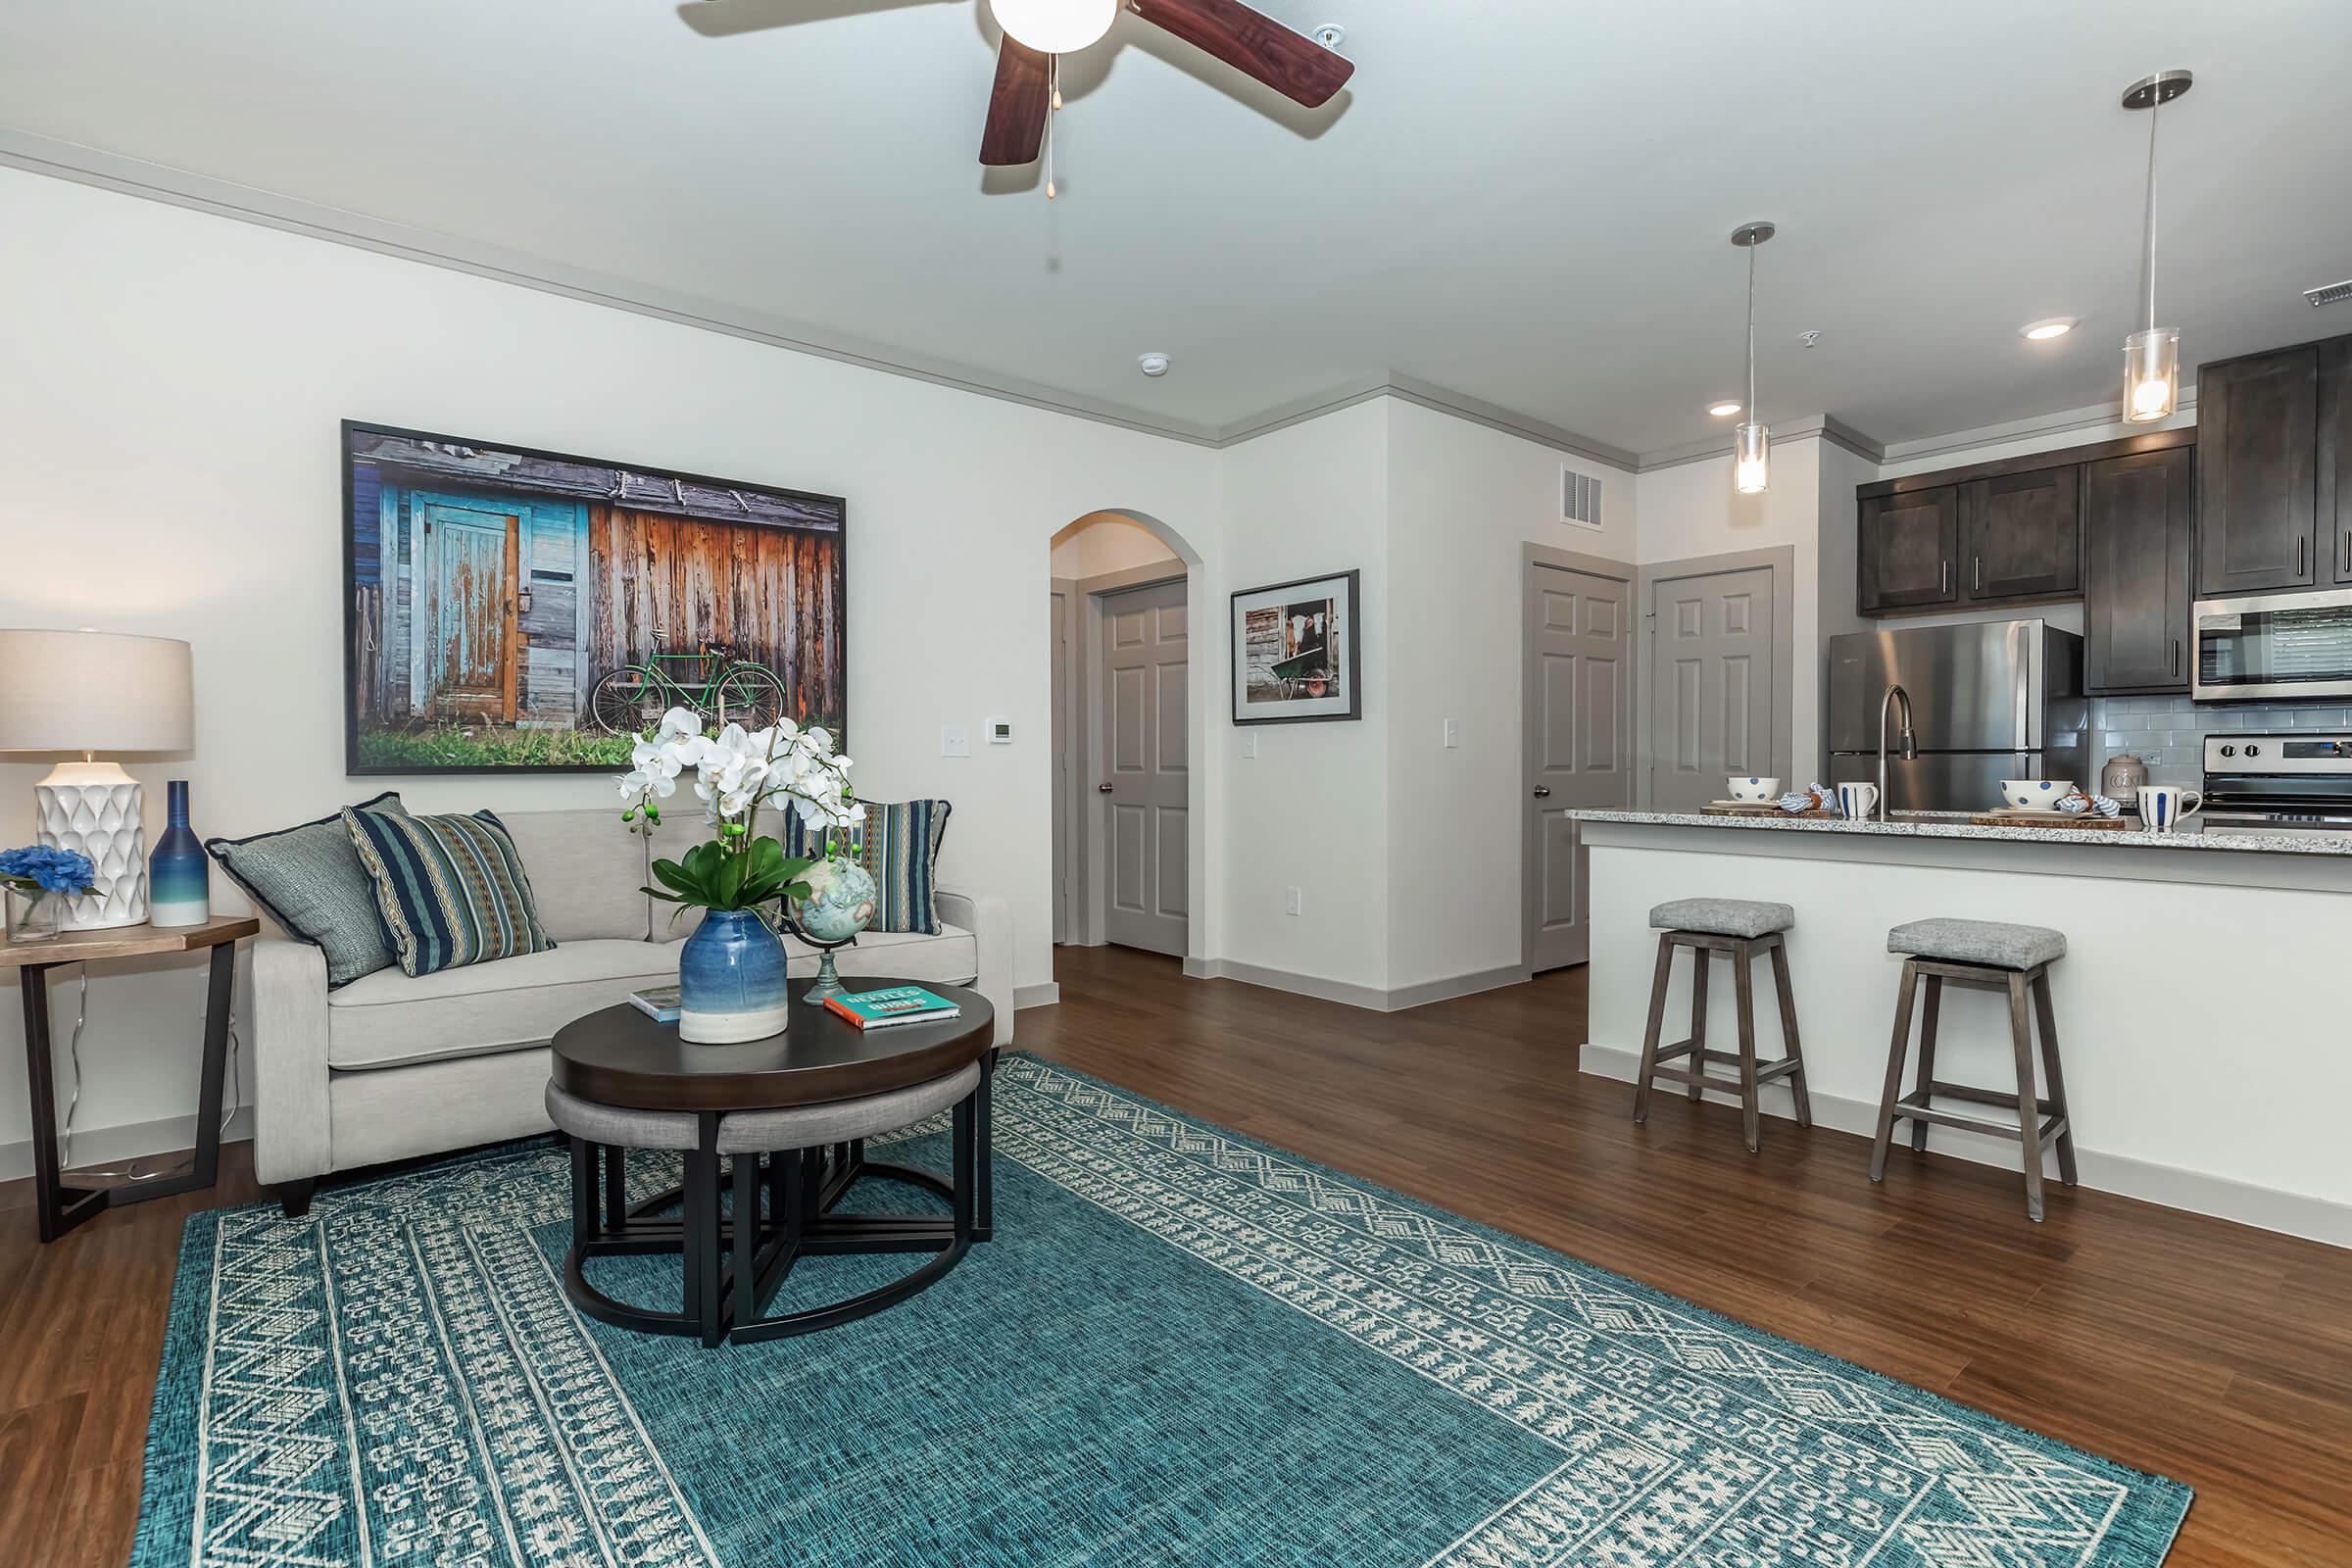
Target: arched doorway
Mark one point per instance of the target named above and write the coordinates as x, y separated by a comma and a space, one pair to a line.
1128, 674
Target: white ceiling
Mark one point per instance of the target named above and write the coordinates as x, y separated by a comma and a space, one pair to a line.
1527, 203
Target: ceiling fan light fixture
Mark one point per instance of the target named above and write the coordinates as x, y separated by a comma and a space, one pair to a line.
1056, 26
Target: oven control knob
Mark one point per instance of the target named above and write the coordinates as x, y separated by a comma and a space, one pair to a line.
2253, 751
2228, 750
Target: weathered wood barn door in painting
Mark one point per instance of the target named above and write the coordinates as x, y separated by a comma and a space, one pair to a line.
469, 599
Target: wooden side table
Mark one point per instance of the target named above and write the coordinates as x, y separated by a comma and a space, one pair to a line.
63, 1207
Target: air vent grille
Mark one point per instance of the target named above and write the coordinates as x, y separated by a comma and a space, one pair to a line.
2330, 294
1580, 498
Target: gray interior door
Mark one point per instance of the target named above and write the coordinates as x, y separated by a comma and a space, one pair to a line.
1712, 685
1146, 902
1061, 740
1580, 738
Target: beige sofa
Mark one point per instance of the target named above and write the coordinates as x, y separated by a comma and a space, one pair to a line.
389, 1067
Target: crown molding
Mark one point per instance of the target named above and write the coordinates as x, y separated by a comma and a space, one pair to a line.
180, 187
1427, 395
2064, 422
1826, 426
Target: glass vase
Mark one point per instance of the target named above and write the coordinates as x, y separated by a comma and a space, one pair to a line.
33, 916
179, 876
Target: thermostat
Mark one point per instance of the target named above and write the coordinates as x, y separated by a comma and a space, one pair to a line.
999, 732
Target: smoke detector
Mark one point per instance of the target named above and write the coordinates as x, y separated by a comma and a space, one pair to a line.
1811, 340
1154, 364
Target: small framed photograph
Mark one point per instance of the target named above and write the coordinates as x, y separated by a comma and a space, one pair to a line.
1295, 654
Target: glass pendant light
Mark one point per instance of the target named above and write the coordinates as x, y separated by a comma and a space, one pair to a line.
1751, 441
1056, 26
2152, 354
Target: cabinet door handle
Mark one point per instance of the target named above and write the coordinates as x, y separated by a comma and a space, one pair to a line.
1980, 588
2298, 558
2175, 656
1946, 579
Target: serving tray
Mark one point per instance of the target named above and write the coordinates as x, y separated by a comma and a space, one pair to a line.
2086, 823
1743, 808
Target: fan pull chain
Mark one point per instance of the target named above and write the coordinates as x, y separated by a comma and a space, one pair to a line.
1054, 69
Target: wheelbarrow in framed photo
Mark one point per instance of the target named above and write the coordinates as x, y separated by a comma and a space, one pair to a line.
1297, 655
509, 609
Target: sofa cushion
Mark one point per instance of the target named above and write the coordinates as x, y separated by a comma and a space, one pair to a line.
390, 1018
587, 871
897, 844
452, 890
308, 879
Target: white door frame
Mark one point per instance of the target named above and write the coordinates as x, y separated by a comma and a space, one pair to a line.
1781, 562
1531, 557
1081, 733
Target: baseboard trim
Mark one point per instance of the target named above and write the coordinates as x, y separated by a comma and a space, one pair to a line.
1346, 992
2316, 1219
134, 1139
1039, 996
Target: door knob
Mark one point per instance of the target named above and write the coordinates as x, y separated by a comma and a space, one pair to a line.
1542, 792
1102, 789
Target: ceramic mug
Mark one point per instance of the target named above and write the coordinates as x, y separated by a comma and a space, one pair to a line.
1755, 791
1857, 801
2162, 807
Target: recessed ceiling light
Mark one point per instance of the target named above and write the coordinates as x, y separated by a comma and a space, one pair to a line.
1154, 364
1723, 411
2055, 326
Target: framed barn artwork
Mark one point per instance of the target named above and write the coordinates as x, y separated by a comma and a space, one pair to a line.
1297, 655
509, 609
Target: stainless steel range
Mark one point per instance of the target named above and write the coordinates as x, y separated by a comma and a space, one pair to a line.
2302, 779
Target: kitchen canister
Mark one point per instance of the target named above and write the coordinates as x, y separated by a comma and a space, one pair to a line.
2121, 779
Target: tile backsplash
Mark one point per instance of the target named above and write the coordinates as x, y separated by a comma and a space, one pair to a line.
2168, 733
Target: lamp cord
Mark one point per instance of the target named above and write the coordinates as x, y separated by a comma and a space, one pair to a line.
131, 1172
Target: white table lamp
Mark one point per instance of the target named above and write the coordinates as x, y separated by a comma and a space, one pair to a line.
93, 692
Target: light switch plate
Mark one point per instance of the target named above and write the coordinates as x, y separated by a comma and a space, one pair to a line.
1289, 901
955, 741
1453, 732
1249, 743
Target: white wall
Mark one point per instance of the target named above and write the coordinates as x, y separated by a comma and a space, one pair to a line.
1103, 542
1311, 809
1462, 500
169, 388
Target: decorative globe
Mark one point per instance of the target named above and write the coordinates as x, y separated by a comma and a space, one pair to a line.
840, 902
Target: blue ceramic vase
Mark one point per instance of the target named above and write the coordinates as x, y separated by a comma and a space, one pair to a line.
731, 981
180, 889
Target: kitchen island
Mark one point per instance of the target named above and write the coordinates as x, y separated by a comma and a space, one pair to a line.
2202, 1004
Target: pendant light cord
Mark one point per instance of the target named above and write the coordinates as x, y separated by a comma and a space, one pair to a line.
2155, 110
1752, 336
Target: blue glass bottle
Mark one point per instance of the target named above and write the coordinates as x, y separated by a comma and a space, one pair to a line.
179, 876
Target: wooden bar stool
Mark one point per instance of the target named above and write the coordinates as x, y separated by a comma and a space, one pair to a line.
1991, 956
1743, 928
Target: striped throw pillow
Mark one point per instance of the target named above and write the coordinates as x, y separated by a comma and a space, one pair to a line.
898, 846
451, 889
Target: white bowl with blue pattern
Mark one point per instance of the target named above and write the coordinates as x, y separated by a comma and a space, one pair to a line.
2034, 794
1755, 791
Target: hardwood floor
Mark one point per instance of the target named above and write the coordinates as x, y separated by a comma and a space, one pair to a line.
2213, 1353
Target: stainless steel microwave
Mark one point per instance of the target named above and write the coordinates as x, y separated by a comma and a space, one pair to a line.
2274, 646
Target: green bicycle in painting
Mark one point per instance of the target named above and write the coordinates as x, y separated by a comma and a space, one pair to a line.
710, 681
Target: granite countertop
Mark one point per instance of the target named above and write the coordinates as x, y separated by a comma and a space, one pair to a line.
1956, 825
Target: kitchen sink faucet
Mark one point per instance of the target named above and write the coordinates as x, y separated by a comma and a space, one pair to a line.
1910, 745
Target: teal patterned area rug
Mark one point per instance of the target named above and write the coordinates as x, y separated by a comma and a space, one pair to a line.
1183, 1348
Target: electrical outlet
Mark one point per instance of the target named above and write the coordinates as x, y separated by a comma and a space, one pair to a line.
1453, 733
955, 741
1289, 901
1248, 744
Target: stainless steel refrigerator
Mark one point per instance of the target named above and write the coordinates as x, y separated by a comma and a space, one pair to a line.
1990, 700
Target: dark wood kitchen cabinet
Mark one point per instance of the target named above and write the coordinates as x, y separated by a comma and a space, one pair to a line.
2137, 536
2024, 534
1910, 544
2336, 455
2258, 449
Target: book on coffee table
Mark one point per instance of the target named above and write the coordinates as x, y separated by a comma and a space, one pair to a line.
658, 1003
893, 1004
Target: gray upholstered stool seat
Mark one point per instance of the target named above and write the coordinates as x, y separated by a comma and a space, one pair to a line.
617, 1126
1996, 943
1722, 918
842, 1121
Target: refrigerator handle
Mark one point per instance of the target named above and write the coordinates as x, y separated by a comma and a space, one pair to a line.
2025, 690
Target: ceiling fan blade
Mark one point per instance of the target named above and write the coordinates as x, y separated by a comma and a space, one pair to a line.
1255, 45
1016, 105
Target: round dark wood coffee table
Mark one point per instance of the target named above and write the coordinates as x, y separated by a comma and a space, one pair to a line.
619, 1059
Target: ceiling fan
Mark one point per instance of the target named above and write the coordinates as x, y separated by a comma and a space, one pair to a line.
1036, 32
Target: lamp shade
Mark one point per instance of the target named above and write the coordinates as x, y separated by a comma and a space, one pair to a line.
94, 691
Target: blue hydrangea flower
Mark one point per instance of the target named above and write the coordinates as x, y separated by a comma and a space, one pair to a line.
39, 868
